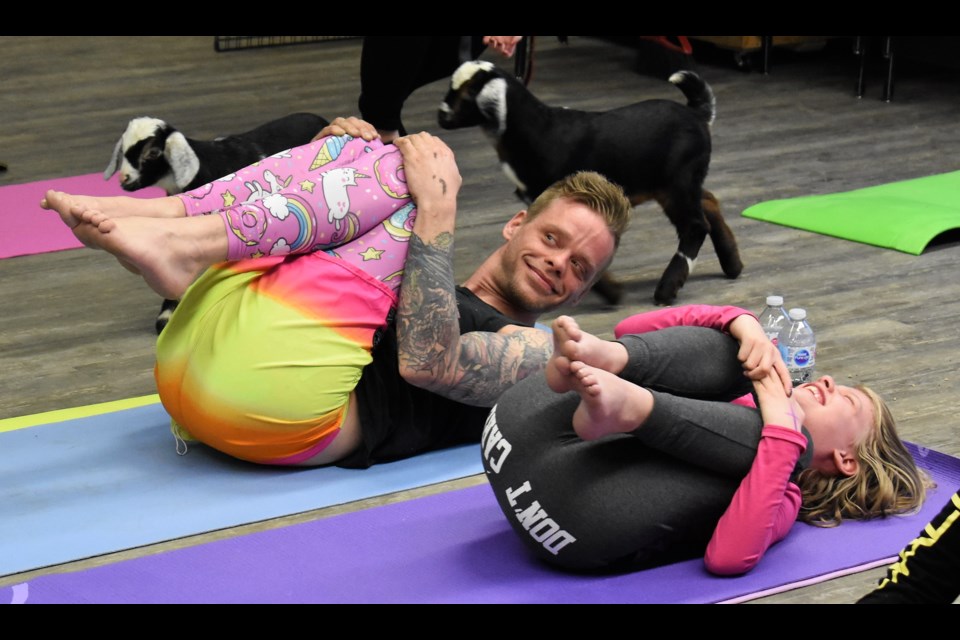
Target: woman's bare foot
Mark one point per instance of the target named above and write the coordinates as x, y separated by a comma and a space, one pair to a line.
608, 403
72, 207
168, 254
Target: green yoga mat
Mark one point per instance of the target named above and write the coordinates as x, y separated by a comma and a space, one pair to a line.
905, 216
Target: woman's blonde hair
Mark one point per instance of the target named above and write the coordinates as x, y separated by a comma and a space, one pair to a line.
887, 482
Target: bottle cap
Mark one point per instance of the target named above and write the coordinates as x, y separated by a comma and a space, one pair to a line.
774, 301
798, 314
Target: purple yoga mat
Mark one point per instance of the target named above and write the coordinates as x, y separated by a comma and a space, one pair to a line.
457, 547
28, 229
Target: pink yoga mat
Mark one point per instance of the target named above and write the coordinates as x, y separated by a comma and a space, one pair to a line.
26, 229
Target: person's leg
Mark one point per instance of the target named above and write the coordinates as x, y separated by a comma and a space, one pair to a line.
245, 184
314, 201
393, 67
313, 206
719, 436
664, 368
690, 361
72, 206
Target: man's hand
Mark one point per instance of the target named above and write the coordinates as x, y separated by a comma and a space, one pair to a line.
506, 45
351, 126
434, 182
758, 354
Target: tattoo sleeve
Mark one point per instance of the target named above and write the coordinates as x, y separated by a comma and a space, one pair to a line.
474, 368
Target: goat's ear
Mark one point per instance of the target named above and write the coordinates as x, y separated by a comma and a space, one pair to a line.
114, 165
181, 158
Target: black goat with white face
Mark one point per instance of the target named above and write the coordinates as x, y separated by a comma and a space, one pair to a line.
655, 149
152, 153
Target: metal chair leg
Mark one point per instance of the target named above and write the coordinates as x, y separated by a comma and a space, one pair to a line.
523, 65
766, 44
860, 50
888, 54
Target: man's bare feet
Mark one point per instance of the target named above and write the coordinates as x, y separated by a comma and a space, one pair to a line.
72, 207
608, 403
169, 254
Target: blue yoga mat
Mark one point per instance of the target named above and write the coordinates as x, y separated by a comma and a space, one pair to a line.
457, 547
105, 483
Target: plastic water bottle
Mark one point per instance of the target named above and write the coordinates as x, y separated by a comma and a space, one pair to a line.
774, 318
798, 347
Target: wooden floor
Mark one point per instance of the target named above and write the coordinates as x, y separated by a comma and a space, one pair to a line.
75, 329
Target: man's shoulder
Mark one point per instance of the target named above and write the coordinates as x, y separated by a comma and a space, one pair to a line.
477, 315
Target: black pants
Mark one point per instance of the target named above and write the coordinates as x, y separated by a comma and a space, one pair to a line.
393, 67
646, 498
929, 568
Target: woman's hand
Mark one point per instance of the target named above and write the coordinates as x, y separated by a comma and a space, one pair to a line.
351, 126
775, 406
758, 354
506, 45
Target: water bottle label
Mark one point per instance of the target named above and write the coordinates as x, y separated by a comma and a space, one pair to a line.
799, 357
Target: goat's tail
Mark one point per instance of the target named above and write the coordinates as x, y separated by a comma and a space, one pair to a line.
699, 95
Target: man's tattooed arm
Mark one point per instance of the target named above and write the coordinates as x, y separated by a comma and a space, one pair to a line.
474, 368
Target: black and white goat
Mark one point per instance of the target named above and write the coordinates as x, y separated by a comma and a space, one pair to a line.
151, 152
655, 149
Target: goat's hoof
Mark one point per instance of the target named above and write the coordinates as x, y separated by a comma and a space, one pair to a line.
665, 296
166, 312
609, 289
733, 269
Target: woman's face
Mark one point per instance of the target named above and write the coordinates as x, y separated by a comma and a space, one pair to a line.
839, 418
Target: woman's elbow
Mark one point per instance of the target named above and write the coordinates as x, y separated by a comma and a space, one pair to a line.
730, 566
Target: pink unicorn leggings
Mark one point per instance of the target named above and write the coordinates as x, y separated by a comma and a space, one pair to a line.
340, 194
261, 357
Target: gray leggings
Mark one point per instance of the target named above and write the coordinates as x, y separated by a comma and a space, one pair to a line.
646, 498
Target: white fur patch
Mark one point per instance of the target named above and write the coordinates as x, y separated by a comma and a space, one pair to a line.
445, 109
140, 129
467, 70
691, 263
512, 176
492, 102
182, 159
678, 77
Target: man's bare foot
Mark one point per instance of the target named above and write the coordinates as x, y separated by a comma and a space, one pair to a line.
608, 403
72, 207
168, 254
